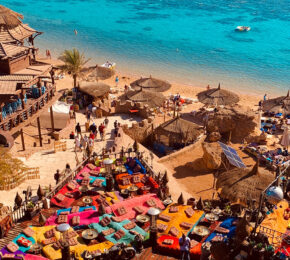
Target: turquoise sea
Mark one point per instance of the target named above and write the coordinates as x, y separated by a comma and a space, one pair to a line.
188, 41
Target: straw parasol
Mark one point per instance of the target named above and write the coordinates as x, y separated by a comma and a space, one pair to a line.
179, 129
97, 72
243, 184
94, 89
151, 84
218, 96
152, 99
277, 105
9, 17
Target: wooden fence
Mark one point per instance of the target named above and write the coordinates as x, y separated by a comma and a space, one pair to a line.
59, 146
275, 237
12, 181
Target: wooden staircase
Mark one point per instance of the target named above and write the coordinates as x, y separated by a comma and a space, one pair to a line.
13, 232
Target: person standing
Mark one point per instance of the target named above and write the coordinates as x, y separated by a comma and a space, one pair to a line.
265, 97
88, 115
117, 81
106, 121
184, 243
101, 130
77, 144
78, 129
104, 134
115, 124
57, 177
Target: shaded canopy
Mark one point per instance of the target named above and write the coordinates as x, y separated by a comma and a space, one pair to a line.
218, 96
243, 184
94, 89
152, 99
178, 126
277, 105
9, 17
151, 84
97, 72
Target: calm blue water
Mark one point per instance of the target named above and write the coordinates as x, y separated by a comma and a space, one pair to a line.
189, 41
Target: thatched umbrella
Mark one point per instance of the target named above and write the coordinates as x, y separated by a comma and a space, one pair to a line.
152, 99
94, 89
151, 84
97, 72
277, 105
9, 17
218, 96
244, 184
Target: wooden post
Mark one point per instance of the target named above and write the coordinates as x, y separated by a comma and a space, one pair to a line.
52, 119
39, 131
22, 139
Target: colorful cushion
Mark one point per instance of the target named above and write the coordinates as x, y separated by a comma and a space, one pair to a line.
161, 227
125, 181
105, 221
139, 209
64, 213
97, 183
28, 232
164, 217
134, 232
75, 209
72, 241
75, 220
94, 173
108, 231
71, 186
108, 194
49, 241
189, 212
12, 247
173, 209
174, 231
91, 166
185, 225
136, 179
221, 230
86, 175
119, 234
168, 242
62, 219
69, 195
116, 219
130, 225
71, 234
50, 233
121, 211
85, 181
24, 242
151, 203
60, 197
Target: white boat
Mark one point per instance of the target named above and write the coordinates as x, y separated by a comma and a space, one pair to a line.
109, 65
243, 28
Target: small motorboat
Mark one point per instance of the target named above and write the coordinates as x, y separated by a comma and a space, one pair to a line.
109, 65
243, 28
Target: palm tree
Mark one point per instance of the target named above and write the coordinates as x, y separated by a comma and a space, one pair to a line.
74, 62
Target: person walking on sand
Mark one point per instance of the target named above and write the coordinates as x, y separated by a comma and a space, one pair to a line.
78, 129
101, 130
104, 134
117, 80
77, 144
265, 97
88, 115
184, 243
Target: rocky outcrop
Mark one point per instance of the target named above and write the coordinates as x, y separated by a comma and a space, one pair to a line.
235, 123
212, 155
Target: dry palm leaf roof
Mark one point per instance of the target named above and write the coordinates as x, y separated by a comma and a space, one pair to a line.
218, 96
151, 84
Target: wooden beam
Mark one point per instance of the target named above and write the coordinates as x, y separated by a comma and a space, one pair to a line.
39, 131
52, 119
22, 139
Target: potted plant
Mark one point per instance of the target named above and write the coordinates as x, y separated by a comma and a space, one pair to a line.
30, 206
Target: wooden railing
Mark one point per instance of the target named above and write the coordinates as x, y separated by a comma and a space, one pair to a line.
18, 117
274, 237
